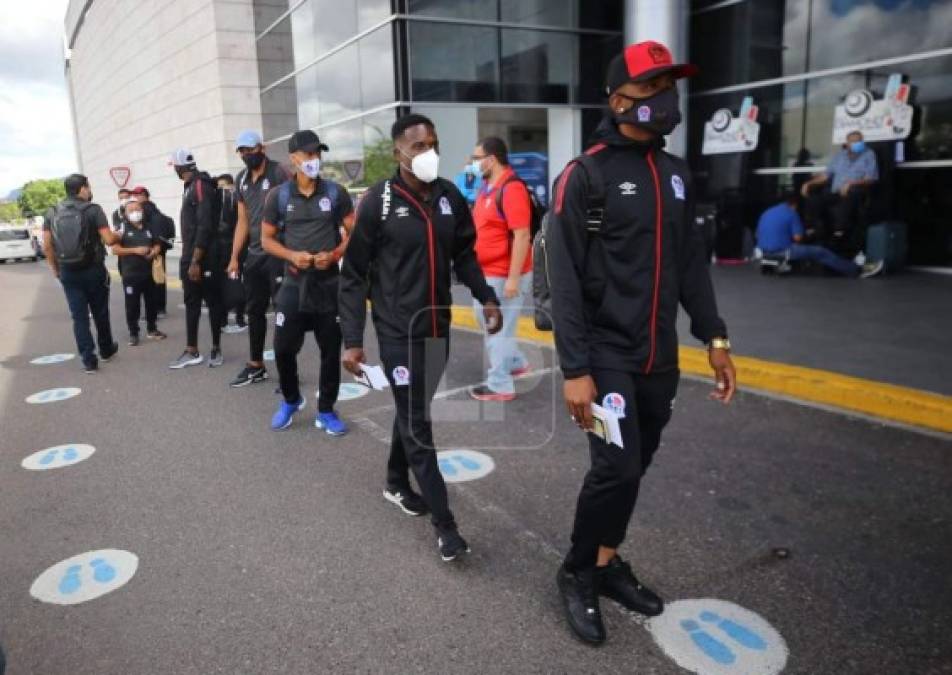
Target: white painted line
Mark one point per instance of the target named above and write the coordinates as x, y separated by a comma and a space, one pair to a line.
716, 637
51, 358
53, 395
57, 457
85, 577
462, 466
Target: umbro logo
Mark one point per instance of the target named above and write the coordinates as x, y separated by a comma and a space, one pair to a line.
628, 189
402, 212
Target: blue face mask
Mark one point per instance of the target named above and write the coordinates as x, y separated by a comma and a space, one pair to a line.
857, 147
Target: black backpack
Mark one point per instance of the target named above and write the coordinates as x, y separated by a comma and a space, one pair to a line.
535, 208
595, 214
71, 236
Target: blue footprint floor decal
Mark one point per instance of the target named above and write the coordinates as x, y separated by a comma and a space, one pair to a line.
71, 582
713, 647
447, 468
48, 457
740, 634
103, 572
466, 462
708, 644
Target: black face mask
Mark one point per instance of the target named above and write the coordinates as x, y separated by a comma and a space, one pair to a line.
253, 160
181, 171
658, 114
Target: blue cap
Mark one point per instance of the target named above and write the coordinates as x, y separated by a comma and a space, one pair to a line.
248, 138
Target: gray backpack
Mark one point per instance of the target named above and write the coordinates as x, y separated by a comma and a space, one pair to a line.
70, 235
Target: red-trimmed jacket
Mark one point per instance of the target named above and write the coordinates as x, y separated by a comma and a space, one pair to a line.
615, 294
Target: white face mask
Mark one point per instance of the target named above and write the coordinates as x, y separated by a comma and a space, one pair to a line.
135, 217
311, 167
426, 166
475, 167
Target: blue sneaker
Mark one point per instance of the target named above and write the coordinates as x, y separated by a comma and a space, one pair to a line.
330, 423
285, 415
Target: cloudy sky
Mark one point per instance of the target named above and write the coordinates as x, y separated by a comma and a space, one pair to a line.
36, 138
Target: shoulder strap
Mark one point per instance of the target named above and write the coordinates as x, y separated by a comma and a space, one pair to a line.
284, 198
499, 193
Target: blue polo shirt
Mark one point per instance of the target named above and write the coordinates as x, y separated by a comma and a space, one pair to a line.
777, 227
844, 167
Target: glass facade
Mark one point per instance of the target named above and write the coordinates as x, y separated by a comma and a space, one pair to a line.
799, 59
345, 67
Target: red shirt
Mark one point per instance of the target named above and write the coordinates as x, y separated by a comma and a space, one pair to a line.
493, 237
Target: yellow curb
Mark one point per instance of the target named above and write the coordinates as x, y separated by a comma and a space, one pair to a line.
878, 399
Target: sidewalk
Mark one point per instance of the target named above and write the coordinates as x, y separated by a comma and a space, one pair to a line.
876, 347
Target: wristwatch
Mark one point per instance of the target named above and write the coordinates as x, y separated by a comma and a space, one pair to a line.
720, 343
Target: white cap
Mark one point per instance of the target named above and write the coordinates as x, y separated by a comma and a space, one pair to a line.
182, 157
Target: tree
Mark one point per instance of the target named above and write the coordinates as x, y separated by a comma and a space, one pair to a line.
10, 212
40, 195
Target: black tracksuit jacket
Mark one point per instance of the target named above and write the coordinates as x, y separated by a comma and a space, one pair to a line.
201, 210
615, 294
403, 247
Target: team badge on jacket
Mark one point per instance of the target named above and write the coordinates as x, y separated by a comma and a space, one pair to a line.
325, 204
445, 207
678, 186
614, 403
401, 376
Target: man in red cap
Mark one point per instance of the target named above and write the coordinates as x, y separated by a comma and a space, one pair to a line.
622, 240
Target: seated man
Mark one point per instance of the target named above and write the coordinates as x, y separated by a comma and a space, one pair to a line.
779, 233
842, 189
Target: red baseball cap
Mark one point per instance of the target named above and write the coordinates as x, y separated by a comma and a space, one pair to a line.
139, 190
643, 61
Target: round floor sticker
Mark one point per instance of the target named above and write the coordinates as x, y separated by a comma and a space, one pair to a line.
52, 395
716, 637
85, 577
459, 466
57, 457
348, 391
51, 358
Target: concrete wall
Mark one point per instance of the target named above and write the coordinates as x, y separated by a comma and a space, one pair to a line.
147, 76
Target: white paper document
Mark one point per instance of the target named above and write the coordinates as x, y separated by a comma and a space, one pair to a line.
605, 425
373, 377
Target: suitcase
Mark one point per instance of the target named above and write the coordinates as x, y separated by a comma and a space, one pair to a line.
887, 242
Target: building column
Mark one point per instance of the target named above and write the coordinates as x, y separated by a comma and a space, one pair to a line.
664, 21
565, 140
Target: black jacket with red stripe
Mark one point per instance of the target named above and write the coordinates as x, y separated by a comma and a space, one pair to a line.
615, 294
198, 221
400, 254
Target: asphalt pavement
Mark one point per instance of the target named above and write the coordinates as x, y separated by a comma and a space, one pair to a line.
263, 552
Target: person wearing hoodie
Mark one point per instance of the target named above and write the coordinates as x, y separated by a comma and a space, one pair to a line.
616, 288
199, 268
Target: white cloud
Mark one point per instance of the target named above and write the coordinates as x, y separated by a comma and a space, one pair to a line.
36, 133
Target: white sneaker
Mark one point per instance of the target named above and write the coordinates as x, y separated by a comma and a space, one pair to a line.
860, 259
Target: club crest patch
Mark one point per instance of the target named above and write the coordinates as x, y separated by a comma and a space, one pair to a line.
644, 114
615, 403
678, 186
445, 207
401, 376
325, 204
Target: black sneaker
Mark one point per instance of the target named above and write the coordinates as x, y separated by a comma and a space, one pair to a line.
451, 544
249, 375
133, 340
90, 367
580, 602
409, 502
106, 356
618, 582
